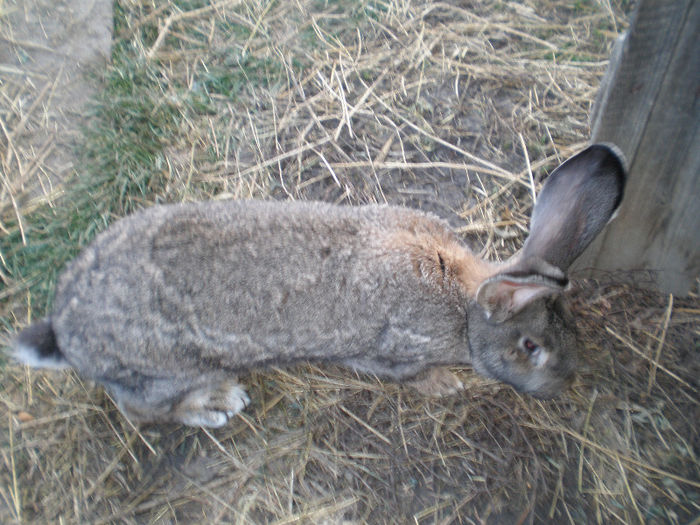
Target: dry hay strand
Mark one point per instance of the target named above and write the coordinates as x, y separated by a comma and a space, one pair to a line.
457, 110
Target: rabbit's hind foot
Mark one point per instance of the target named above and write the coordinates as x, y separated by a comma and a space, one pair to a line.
211, 406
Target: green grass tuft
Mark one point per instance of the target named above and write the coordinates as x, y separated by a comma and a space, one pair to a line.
121, 168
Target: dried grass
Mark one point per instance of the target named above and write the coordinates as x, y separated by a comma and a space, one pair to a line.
457, 109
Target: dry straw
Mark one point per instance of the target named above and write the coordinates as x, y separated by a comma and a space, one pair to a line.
459, 108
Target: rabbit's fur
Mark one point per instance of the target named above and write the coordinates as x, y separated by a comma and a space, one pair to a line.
168, 305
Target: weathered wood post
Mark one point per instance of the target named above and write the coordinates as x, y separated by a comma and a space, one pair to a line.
649, 106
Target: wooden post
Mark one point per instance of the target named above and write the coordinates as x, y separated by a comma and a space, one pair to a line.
649, 106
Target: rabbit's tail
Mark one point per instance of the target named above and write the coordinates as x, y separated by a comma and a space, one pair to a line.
36, 346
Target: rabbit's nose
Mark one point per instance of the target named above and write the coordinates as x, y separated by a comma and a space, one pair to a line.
555, 387
569, 381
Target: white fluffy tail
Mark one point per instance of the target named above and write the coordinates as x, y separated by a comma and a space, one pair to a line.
36, 346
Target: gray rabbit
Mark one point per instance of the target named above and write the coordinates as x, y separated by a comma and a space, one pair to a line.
168, 305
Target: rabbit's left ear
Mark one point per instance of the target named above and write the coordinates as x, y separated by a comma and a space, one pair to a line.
522, 282
576, 202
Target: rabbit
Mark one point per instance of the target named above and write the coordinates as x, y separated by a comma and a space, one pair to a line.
167, 306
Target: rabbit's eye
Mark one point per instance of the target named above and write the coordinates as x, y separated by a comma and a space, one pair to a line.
529, 345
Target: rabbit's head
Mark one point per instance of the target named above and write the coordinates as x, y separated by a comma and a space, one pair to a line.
520, 330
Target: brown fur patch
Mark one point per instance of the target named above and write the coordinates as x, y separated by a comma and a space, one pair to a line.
438, 256
468, 269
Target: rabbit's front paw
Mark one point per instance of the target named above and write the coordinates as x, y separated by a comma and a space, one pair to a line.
213, 406
437, 382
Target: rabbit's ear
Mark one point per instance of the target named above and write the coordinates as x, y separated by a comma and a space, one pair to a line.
577, 201
506, 293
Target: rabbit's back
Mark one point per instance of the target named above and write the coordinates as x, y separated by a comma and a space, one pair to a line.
236, 284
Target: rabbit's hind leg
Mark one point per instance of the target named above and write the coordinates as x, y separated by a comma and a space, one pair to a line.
211, 405
208, 402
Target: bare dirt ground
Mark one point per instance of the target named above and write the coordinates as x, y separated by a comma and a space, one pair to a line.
47, 52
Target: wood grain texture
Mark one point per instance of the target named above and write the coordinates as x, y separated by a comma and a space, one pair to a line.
649, 108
